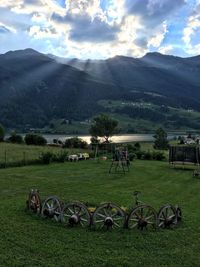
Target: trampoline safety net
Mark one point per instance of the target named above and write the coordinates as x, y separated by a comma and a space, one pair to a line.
184, 154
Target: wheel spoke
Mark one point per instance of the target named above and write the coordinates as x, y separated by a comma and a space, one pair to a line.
147, 218
137, 215
101, 215
71, 211
133, 225
118, 219
134, 220
116, 224
99, 221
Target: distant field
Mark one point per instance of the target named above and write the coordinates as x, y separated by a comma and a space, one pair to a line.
28, 240
13, 153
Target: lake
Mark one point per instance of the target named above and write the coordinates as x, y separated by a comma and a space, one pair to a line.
124, 138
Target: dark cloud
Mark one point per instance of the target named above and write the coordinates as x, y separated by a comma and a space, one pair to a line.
141, 41
3, 29
84, 29
153, 12
31, 2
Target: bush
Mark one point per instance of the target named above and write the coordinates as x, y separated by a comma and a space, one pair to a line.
46, 157
35, 139
92, 154
15, 138
2, 133
132, 156
158, 155
75, 142
139, 154
137, 146
147, 155
60, 157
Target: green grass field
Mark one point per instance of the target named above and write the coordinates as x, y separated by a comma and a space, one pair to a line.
27, 153
16, 152
28, 240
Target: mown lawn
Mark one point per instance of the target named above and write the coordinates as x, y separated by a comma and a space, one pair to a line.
28, 240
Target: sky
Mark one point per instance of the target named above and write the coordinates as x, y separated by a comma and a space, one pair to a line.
99, 29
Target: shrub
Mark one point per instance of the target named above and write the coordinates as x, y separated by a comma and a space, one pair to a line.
92, 154
158, 155
132, 156
60, 157
137, 146
15, 138
75, 142
2, 133
46, 157
35, 139
139, 154
147, 155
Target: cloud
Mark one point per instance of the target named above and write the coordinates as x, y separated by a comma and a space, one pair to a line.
94, 28
192, 30
153, 12
3, 29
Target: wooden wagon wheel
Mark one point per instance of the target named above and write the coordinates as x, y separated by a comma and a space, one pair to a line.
142, 217
108, 216
178, 214
167, 216
34, 201
76, 213
51, 208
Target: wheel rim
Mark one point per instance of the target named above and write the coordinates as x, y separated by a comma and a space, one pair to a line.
74, 214
142, 217
167, 217
108, 216
52, 208
34, 203
178, 214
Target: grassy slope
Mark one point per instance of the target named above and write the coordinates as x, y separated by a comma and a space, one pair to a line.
142, 125
31, 241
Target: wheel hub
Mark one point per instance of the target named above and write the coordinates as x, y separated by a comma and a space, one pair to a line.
168, 222
49, 212
109, 222
74, 219
142, 224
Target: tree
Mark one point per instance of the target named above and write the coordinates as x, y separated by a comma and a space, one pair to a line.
15, 138
2, 133
35, 139
161, 141
103, 126
75, 142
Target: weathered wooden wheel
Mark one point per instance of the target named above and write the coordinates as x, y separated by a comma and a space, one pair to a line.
108, 216
142, 217
51, 208
178, 214
34, 201
76, 213
167, 217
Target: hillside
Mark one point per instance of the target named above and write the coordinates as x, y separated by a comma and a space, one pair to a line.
39, 90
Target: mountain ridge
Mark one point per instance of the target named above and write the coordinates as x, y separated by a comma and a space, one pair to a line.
36, 88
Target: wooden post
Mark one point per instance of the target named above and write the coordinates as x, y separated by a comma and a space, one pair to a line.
24, 158
5, 158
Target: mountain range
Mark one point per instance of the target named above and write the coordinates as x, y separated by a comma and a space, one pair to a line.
38, 90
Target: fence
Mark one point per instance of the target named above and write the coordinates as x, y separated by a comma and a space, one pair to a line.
19, 158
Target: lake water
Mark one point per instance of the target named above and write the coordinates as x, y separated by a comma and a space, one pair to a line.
125, 138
